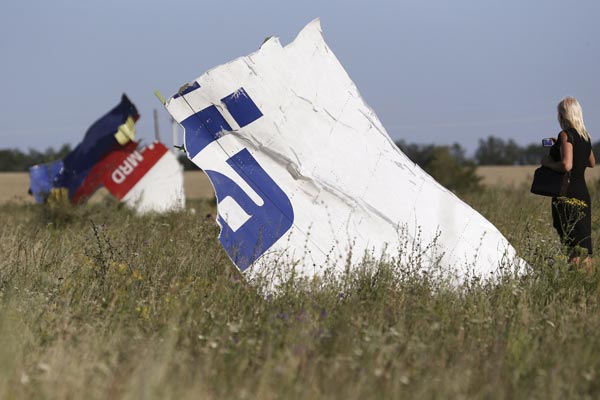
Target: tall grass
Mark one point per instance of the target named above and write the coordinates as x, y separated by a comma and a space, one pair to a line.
98, 303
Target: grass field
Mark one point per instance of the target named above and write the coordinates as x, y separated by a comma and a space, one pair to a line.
98, 303
14, 185
512, 176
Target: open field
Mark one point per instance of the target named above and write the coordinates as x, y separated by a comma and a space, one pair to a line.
14, 185
518, 175
97, 303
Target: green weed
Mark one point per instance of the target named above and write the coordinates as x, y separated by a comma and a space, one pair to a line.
96, 302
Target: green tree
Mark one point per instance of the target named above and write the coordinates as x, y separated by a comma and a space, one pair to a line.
446, 164
497, 151
532, 154
188, 165
13, 160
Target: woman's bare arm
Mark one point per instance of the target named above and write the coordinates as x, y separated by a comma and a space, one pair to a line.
592, 162
566, 154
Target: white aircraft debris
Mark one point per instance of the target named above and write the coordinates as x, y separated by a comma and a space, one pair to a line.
307, 177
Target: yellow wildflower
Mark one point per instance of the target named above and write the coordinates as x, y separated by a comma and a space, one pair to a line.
572, 202
121, 267
144, 311
136, 275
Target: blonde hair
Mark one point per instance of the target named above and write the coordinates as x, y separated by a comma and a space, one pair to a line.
570, 116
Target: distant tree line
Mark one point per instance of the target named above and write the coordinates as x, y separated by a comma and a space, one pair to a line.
188, 165
490, 151
13, 160
449, 165
496, 151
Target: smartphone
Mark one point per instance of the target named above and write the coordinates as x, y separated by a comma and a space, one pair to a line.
547, 142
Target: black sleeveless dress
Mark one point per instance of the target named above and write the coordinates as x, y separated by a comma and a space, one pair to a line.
573, 220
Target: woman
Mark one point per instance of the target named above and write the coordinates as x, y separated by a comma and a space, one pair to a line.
572, 152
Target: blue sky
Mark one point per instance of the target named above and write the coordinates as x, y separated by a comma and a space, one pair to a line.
434, 71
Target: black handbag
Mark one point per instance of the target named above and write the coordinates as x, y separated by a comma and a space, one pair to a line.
547, 182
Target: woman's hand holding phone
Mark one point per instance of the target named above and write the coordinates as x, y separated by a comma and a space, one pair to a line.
548, 142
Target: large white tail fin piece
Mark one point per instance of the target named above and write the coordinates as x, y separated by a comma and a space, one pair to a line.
306, 175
